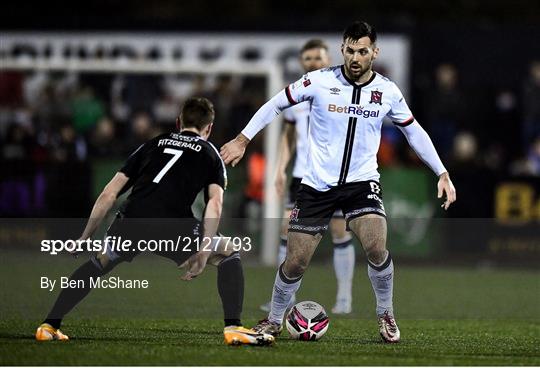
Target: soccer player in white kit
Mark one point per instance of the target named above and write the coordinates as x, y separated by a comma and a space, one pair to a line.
348, 104
313, 56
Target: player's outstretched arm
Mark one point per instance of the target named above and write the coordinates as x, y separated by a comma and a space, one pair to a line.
286, 149
423, 146
233, 151
104, 203
212, 216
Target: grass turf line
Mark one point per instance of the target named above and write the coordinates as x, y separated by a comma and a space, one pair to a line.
447, 317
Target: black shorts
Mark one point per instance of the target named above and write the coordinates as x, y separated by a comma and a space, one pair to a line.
314, 209
294, 187
180, 238
293, 192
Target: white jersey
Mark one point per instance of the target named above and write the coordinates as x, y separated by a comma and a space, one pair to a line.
299, 116
345, 122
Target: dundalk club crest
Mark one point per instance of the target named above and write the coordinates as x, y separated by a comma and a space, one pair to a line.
294, 214
376, 97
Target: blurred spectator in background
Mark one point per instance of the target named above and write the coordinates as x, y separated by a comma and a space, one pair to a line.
68, 146
47, 108
69, 178
251, 205
531, 106
140, 91
474, 180
445, 109
87, 110
118, 108
250, 95
223, 98
465, 150
100, 83
534, 157
17, 143
142, 130
33, 85
166, 109
528, 164
103, 142
500, 146
11, 91
198, 85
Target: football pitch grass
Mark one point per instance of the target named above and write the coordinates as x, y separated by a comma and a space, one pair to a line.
447, 316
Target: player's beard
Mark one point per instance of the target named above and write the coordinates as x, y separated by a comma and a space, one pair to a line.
359, 72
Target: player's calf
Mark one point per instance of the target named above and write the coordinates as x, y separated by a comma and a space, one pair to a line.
300, 248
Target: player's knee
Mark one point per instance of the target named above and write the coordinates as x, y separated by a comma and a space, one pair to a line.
376, 255
104, 263
233, 256
103, 259
222, 247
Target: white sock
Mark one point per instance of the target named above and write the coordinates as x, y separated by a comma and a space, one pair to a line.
382, 280
281, 257
282, 250
344, 260
284, 290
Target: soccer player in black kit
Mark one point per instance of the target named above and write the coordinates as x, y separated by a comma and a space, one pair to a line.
165, 175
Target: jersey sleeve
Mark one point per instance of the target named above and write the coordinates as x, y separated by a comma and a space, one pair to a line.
301, 90
133, 163
218, 174
399, 113
288, 116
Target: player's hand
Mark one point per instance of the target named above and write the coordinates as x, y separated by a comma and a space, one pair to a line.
196, 264
445, 186
281, 179
233, 151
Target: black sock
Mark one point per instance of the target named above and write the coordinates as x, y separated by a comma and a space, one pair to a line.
70, 297
232, 322
231, 289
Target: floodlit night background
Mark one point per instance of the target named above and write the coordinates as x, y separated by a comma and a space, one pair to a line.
83, 84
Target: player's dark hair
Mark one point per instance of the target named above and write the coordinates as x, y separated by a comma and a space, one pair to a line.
197, 112
314, 44
359, 29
